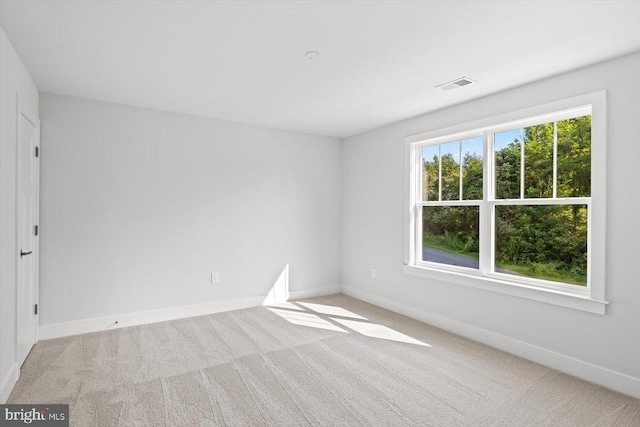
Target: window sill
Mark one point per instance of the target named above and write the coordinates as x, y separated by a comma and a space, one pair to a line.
549, 296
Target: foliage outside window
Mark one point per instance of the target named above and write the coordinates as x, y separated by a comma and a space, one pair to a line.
509, 200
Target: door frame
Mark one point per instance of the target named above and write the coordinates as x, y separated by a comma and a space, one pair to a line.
33, 119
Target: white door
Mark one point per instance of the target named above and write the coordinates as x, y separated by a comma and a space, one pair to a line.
27, 199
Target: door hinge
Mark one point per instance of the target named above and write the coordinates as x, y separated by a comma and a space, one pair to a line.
35, 311
35, 230
37, 151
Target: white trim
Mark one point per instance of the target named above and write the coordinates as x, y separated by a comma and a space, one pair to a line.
439, 172
596, 237
504, 284
63, 329
451, 203
37, 238
522, 165
555, 161
585, 370
314, 292
540, 114
541, 201
9, 382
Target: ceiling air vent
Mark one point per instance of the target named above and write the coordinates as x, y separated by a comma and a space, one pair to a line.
462, 81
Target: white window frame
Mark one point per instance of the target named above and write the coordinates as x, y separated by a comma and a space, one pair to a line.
589, 298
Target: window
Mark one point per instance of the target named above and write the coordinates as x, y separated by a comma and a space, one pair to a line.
452, 188
515, 205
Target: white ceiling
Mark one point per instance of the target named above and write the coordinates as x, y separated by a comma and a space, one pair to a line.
245, 61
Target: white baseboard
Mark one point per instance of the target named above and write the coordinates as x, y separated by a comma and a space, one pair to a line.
64, 329
587, 371
315, 292
8, 382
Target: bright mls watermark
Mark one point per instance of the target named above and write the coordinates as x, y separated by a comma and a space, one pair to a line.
38, 415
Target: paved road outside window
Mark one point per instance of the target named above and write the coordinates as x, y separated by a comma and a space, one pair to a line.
444, 257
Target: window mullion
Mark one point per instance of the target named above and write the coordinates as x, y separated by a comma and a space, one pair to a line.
418, 237
535, 201
440, 172
589, 251
555, 159
460, 159
452, 203
522, 163
417, 210
486, 220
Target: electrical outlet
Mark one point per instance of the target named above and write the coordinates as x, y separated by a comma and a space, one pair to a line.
215, 278
373, 273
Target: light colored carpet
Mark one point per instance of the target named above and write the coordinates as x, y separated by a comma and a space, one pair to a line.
325, 361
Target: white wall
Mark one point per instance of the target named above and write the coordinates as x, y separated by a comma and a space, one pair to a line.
373, 194
140, 206
14, 80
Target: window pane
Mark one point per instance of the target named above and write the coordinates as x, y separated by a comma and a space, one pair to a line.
450, 158
574, 157
450, 235
472, 168
507, 155
430, 173
538, 161
546, 242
